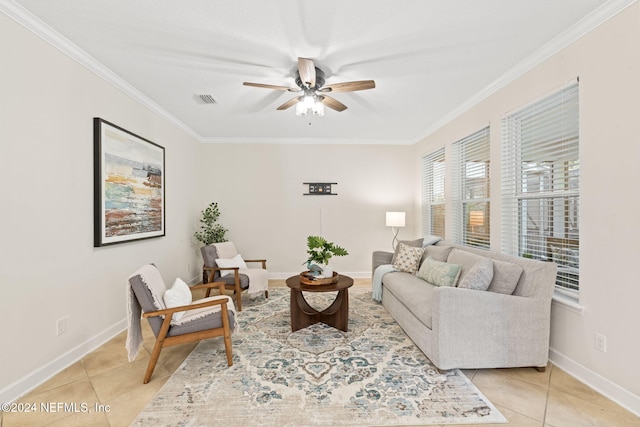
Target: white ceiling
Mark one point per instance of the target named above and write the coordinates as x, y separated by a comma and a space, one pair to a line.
427, 57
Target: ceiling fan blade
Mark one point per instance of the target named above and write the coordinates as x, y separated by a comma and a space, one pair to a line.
349, 86
333, 103
290, 103
290, 89
307, 71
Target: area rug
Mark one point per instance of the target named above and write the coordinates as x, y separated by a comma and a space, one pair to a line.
372, 375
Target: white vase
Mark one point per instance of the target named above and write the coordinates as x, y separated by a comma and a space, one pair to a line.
327, 271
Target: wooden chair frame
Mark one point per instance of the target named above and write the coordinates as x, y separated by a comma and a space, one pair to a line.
162, 340
237, 291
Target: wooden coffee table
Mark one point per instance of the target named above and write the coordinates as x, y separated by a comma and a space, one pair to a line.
336, 315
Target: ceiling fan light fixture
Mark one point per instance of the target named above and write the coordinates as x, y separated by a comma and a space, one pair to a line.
301, 110
310, 80
308, 101
318, 108
310, 104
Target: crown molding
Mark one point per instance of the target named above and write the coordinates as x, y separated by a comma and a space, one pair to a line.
306, 141
44, 31
587, 24
60, 42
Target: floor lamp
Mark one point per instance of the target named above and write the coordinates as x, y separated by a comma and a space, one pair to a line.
395, 220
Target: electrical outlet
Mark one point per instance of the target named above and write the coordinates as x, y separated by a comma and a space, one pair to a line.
61, 326
601, 342
188, 268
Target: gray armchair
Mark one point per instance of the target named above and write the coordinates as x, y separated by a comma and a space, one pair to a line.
240, 279
204, 318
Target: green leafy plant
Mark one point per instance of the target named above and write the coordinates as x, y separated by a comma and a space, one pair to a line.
210, 230
321, 251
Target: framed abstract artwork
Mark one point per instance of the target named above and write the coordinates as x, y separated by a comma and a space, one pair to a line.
129, 183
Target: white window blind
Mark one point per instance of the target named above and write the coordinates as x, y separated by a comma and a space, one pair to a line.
470, 193
433, 170
541, 184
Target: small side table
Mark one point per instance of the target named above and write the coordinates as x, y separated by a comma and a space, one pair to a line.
303, 315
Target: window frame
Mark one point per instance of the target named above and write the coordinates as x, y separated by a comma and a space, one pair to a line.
464, 150
541, 177
433, 199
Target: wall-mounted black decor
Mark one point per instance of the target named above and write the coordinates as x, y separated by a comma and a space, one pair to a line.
320, 188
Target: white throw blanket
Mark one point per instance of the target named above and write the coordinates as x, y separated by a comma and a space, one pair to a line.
226, 250
376, 282
258, 280
152, 279
204, 311
381, 270
430, 240
258, 277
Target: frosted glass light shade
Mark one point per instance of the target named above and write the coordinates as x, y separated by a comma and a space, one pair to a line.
395, 219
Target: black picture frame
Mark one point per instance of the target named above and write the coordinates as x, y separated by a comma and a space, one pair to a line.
129, 186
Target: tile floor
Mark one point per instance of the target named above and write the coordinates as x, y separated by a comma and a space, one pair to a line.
112, 389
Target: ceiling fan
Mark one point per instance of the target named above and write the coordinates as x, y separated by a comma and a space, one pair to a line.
310, 80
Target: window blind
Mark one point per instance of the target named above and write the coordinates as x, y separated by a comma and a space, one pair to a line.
433, 175
470, 193
541, 183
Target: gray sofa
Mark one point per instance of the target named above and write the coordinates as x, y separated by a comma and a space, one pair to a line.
505, 326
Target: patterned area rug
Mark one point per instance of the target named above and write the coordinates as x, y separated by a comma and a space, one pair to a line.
372, 375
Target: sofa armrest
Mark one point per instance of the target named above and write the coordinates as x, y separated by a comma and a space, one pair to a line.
506, 329
379, 258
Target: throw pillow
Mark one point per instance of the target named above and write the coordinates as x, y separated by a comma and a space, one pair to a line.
505, 277
439, 273
439, 253
414, 243
408, 258
177, 295
479, 276
236, 261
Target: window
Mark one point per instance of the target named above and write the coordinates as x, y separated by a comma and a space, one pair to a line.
433, 193
541, 184
471, 206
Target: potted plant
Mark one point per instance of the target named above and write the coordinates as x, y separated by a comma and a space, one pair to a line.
320, 252
210, 230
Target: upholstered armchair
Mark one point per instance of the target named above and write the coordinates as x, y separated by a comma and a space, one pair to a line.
222, 263
174, 318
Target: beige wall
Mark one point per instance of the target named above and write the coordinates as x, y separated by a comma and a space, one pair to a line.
259, 188
607, 61
49, 267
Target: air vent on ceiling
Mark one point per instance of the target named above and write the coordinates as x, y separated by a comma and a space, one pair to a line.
207, 99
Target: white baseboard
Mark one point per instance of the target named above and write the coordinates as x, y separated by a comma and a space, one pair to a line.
622, 397
19, 388
24, 385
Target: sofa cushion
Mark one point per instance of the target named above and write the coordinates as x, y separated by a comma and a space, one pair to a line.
466, 260
413, 243
479, 276
209, 321
408, 258
439, 273
438, 253
414, 293
505, 274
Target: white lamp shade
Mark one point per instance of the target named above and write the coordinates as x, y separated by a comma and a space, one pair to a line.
395, 219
